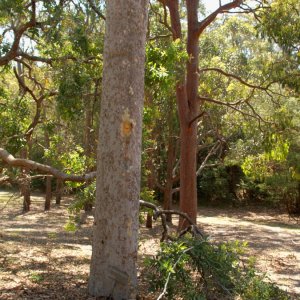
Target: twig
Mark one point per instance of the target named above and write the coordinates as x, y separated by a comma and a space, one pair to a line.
10, 198
170, 273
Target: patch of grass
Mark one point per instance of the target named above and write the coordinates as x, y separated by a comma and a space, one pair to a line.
36, 277
71, 226
52, 235
14, 234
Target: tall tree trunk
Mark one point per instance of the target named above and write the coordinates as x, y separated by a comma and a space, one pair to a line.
188, 183
188, 130
114, 256
187, 96
188, 108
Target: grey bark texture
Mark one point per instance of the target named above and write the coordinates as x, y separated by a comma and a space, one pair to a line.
115, 236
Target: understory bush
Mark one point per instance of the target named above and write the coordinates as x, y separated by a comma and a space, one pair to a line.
195, 269
84, 199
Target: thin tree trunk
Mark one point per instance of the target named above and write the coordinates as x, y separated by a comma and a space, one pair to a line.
88, 126
25, 183
114, 256
298, 200
48, 196
58, 192
168, 195
25, 191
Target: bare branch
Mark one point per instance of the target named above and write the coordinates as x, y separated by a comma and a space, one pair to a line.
25, 88
196, 118
212, 151
18, 33
157, 37
38, 102
35, 166
96, 10
223, 8
163, 19
258, 87
50, 60
233, 106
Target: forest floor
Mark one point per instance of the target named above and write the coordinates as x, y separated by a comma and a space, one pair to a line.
39, 259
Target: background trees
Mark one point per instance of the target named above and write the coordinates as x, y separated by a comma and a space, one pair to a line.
221, 103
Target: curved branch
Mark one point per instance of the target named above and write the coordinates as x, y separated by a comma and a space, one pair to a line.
223, 8
212, 151
165, 234
235, 77
35, 166
18, 33
162, 213
196, 118
233, 106
96, 10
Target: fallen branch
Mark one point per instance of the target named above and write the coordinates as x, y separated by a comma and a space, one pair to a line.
162, 214
170, 273
35, 166
165, 234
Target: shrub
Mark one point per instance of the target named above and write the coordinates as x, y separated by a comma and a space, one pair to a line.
84, 199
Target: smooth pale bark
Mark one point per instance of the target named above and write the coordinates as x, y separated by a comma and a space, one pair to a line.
187, 97
188, 130
115, 239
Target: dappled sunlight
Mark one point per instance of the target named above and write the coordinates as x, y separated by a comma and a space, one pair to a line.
36, 251
273, 239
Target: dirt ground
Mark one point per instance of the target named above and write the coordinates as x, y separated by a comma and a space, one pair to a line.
39, 259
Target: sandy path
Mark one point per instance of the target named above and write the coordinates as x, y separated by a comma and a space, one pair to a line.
273, 239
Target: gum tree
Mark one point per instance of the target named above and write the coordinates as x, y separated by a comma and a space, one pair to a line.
114, 257
188, 99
